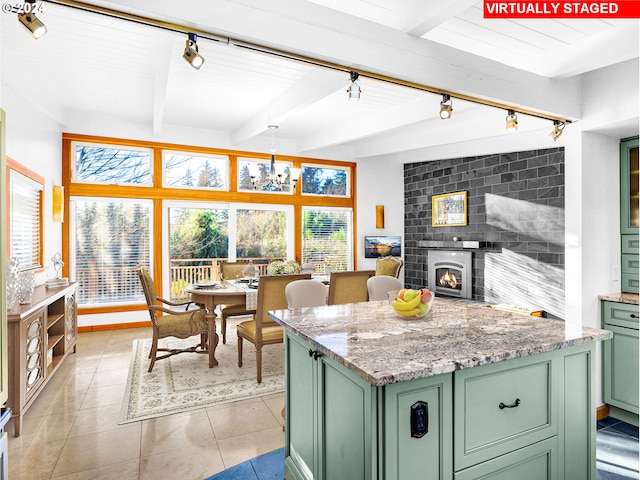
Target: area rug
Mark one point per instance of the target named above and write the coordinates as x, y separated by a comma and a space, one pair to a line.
185, 382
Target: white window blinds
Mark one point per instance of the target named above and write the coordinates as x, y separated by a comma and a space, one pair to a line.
26, 223
327, 238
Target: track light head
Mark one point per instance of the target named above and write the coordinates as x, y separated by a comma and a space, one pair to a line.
191, 54
33, 24
446, 107
354, 89
558, 128
512, 121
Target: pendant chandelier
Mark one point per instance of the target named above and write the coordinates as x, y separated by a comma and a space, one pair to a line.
274, 180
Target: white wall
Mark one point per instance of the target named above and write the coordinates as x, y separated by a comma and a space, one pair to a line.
379, 182
34, 140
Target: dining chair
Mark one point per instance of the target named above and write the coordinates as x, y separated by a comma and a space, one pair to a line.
349, 286
379, 286
232, 270
174, 323
262, 330
389, 266
306, 293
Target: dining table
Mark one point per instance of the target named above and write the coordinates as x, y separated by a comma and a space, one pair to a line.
227, 292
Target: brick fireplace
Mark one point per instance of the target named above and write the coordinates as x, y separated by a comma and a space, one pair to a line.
515, 229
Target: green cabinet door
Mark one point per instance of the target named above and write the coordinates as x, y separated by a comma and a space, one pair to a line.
300, 403
620, 356
629, 211
331, 429
535, 462
427, 457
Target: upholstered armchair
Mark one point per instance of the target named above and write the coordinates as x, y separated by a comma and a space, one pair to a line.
389, 266
168, 322
262, 330
349, 286
232, 270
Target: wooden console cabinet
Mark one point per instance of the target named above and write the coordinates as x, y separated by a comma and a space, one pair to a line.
41, 335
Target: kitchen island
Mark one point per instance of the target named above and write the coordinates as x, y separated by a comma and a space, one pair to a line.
467, 392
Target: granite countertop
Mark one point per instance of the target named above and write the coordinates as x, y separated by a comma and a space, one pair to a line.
631, 298
371, 340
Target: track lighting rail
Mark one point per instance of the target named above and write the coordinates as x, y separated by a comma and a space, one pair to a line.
183, 29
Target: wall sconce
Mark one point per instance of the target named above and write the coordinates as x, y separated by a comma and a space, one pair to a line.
379, 216
57, 210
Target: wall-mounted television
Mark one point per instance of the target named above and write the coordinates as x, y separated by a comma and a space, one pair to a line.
382, 246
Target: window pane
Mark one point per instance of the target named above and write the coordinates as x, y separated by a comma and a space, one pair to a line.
26, 206
327, 238
198, 239
111, 238
261, 235
260, 170
113, 165
325, 181
193, 171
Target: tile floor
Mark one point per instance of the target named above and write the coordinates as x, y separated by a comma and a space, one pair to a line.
617, 456
71, 430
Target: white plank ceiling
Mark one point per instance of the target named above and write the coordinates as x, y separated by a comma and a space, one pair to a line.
91, 64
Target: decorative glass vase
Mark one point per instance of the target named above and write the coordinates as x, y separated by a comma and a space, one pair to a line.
12, 282
26, 285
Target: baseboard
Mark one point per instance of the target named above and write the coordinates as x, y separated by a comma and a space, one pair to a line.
602, 412
113, 326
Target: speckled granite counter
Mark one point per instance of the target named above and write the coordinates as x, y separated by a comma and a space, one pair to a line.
370, 340
631, 298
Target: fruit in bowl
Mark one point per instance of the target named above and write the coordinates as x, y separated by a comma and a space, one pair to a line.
410, 303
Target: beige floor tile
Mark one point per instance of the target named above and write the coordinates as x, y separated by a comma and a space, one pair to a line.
98, 419
111, 377
275, 403
169, 434
240, 419
119, 471
241, 448
34, 462
54, 427
194, 463
102, 396
67, 399
96, 450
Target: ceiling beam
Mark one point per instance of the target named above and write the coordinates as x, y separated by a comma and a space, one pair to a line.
421, 17
313, 87
163, 57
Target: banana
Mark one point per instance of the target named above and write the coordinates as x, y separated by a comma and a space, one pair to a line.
404, 306
409, 313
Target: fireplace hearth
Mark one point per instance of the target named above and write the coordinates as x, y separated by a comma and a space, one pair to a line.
449, 273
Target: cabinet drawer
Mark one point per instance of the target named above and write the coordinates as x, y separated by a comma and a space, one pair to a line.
630, 283
537, 461
504, 406
620, 314
630, 244
630, 263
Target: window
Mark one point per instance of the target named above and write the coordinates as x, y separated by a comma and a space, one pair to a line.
196, 171
111, 237
261, 171
262, 233
327, 238
112, 165
25, 216
325, 181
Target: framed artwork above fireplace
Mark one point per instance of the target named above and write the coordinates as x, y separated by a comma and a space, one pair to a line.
449, 209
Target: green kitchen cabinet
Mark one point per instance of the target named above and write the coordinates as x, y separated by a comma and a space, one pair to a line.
629, 213
325, 402
526, 418
339, 426
620, 360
